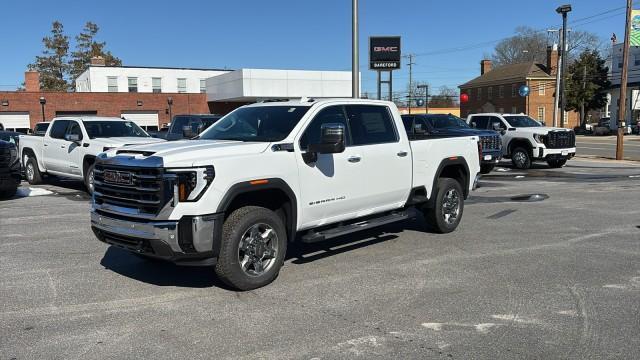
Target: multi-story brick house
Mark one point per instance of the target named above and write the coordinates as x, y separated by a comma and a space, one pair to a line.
496, 90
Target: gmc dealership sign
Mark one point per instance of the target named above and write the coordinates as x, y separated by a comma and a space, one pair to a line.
384, 53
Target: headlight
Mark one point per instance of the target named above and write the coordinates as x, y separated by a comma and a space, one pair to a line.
190, 183
539, 138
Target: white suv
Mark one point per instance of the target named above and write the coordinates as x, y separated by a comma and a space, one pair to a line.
525, 140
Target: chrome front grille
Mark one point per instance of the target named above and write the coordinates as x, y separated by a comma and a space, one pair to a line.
141, 189
560, 139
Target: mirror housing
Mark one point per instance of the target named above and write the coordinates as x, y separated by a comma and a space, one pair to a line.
496, 127
72, 137
187, 131
332, 141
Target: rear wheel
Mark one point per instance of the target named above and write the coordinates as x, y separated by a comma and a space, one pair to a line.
32, 172
254, 243
446, 214
486, 168
556, 163
520, 158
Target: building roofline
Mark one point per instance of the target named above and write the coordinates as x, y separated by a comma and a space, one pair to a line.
159, 68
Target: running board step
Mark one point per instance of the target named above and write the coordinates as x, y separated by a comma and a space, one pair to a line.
316, 236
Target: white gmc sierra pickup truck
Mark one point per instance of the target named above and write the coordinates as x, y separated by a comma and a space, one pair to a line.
71, 144
275, 172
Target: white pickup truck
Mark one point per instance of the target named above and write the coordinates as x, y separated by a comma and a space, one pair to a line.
70, 145
525, 140
275, 172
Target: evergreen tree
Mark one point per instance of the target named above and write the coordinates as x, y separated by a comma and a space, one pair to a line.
586, 83
53, 63
86, 48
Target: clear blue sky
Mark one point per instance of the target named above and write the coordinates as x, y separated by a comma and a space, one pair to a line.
292, 34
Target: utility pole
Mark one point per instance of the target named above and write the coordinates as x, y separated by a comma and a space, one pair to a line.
623, 87
355, 63
411, 63
584, 87
556, 96
563, 9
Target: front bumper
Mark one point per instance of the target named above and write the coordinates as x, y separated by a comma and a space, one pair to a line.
491, 157
190, 241
544, 153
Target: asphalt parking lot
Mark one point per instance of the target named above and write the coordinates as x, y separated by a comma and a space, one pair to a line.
558, 278
605, 146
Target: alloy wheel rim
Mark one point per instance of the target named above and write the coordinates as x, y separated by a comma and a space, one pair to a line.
520, 158
451, 206
91, 181
29, 172
258, 249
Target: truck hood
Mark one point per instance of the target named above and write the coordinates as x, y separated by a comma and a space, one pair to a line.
194, 152
123, 141
543, 130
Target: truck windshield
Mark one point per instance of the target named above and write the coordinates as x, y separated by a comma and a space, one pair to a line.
104, 129
444, 121
258, 123
521, 121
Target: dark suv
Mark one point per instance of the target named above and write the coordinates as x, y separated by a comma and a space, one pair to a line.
448, 125
188, 126
9, 165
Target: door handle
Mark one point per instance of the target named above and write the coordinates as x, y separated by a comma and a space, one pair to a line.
354, 159
46, 144
402, 153
63, 146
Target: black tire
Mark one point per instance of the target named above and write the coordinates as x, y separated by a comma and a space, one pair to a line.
486, 168
556, 163
435, 216
236, 226
32, 172
88, 179
521, 158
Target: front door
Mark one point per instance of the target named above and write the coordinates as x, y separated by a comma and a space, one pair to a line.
54, 152
331, 189
72, 156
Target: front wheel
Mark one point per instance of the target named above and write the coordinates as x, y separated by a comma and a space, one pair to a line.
556, 163
32, 172
520, 158
88, 179
486, 168
254, 243
446, 214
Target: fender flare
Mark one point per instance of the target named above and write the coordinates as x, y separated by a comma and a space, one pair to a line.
519, 140
90, 158
460, 160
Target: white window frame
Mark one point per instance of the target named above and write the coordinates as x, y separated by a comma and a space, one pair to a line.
501, 91
110, 86
514, 90
479, 93
489, 92
129, 83
541, 88
203, 86
541, 113
514, 109
179, 88
153, 85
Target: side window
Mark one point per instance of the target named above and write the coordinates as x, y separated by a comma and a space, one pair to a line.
59, 128
329, 115
178, 123
480, 122
371, 124
420, 126
495, 120
74, 129
408, 124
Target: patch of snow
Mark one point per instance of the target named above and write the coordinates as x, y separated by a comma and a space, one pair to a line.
26, 192
519, 176
433, 326
501, 169
484, 328
615, 286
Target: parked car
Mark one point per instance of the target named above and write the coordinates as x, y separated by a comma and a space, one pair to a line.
188, 126
71, 144
271, 173
41, 128
9, 167
448, 125
524, 140
603, 127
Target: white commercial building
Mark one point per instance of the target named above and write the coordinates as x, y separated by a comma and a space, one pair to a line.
98, 78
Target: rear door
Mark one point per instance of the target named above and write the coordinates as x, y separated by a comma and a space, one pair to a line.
385, 172
54, 152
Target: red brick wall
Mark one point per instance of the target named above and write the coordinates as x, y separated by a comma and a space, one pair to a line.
105, 104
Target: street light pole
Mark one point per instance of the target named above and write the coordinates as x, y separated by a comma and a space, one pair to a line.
563, 9
426, 97
355, 65
43, 101
623, 87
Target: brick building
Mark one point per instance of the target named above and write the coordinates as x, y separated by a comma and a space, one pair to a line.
20, 110
496, 90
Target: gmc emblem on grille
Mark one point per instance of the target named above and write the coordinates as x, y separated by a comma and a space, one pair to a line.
118, 177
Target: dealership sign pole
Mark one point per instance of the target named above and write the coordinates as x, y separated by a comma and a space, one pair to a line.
355, 63
623, 84
384, 55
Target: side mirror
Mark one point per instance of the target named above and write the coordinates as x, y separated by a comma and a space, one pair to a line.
72, 137
332, 141
187, 131
200, 129
496, 126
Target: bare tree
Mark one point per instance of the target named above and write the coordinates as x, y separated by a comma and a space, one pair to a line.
531, 45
